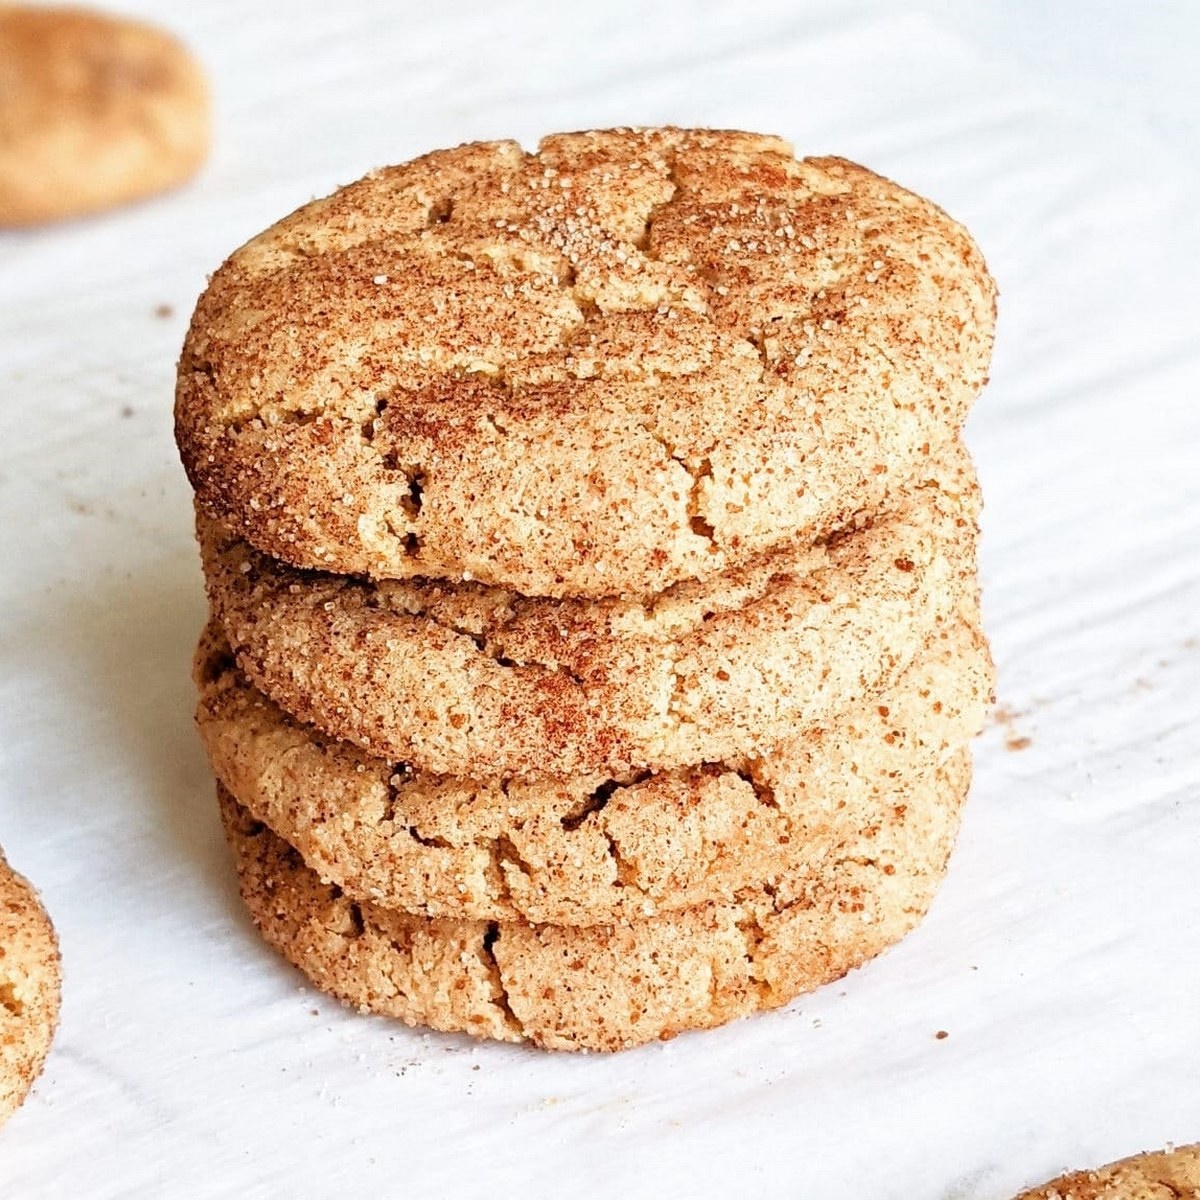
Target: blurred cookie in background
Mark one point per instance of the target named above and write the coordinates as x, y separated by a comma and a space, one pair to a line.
1172, 1174
95, 111
30, 985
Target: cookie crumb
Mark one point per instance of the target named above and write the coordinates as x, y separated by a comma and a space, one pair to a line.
126, 411
164, 311
1006, 717
941, 1035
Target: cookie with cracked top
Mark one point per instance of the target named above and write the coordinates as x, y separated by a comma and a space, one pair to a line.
585, 851
30, 985
1159, 1175
631, 358
96, 111
468, 680
608, 987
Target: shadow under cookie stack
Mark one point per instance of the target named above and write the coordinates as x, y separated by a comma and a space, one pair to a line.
590, 549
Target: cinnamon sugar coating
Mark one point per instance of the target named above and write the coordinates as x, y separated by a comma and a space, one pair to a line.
633, 358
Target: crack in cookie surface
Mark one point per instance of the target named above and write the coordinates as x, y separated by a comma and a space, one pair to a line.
608, 987
593, 849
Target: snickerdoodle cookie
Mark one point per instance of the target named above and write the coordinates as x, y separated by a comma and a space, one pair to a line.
585, 850
30, 981
463, 679
608, 987
94, 111
632, 358
1160, 1175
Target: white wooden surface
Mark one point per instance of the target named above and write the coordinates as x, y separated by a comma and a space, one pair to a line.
1063, 957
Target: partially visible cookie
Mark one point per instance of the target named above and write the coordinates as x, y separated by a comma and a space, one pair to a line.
95, 111
30, 982
1159, 1175
634, 357
467, 680
590, 850
607, 987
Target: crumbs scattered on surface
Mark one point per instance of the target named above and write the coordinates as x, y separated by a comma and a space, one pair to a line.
89, 508
941, 1035
164, 311
1006, 717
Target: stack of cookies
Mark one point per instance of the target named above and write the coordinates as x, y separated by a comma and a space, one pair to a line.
591, 557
